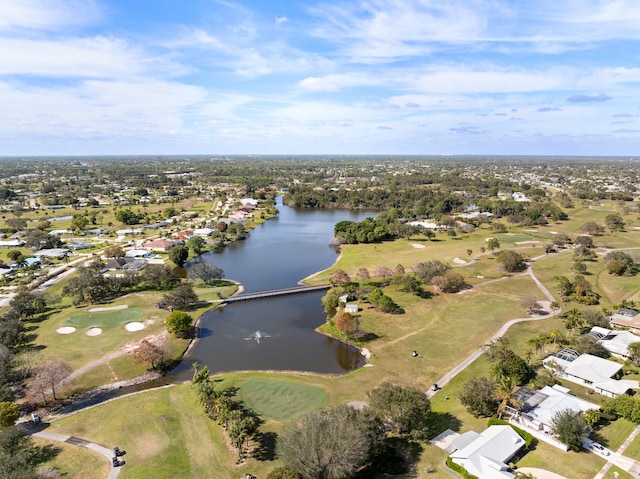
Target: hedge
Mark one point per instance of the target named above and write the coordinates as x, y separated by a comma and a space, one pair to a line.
459, 469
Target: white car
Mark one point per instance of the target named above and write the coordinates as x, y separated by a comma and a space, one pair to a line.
596, 447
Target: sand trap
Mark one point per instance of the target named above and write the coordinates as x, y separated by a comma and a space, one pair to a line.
419, 246
526, 242
459, 261
93, 332
66, 330
134, 326
107, 308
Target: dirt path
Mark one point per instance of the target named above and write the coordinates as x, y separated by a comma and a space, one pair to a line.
129, 348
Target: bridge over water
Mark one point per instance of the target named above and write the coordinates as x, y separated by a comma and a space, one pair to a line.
276, 292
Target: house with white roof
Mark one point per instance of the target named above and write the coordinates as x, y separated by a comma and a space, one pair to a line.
539, 407
588, 370
485, 455
615, 341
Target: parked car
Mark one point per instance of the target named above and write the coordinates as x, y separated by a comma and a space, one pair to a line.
596, 447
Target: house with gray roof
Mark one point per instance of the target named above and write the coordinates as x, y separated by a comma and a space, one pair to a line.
485, 455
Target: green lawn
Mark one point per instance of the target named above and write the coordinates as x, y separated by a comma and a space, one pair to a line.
166, 435
445, 329
281, 400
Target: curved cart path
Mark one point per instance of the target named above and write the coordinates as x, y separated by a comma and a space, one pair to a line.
505, 327
114, 472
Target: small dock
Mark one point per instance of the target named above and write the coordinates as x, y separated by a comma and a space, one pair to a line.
275, 292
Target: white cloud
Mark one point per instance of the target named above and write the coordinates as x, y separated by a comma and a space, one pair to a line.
319, 84
46, 14
79, 57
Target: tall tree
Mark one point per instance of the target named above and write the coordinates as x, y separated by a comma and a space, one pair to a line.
347, 324
407, 409
323, 445
479, 396
181, 297
179, 323
179, 255
570, 428
196, 244
207, 272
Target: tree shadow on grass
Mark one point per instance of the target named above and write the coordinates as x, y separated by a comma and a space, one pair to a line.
43, 454
399, 456
265, 449
441, 421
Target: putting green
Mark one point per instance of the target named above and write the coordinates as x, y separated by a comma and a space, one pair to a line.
104, 319
281, 400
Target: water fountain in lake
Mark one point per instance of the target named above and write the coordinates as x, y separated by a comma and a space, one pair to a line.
257, 336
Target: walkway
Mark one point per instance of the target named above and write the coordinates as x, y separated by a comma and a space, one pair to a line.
505, 327
625, 463
114, 472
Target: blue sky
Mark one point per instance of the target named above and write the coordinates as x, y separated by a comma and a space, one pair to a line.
320, 77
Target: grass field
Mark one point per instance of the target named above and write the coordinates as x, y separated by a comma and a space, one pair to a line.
104, 319
444, 329
281, 400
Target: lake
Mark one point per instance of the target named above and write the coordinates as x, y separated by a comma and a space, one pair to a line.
276, 333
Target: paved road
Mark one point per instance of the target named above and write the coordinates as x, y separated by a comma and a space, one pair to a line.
505, 327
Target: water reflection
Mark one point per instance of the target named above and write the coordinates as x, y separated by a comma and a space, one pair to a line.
277, 254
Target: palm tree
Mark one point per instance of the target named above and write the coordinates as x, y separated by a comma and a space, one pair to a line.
505, 387
554, 335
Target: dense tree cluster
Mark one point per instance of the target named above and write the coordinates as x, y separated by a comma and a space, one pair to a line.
578, 290
619, 263
340, 441
511, 261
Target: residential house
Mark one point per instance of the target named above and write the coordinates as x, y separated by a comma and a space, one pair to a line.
204, 232
520, 197
160, 244
538, 408
57, 253
126, 264
615, 341
184, 235
485, 455
591, 371
136, 253
626, 319
131, 231
15, 243
97, 231
75, 245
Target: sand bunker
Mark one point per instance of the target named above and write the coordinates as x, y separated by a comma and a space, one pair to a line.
93, 332
66, 330
526, 242
134, 326
459, 261
107, 308
419, 246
